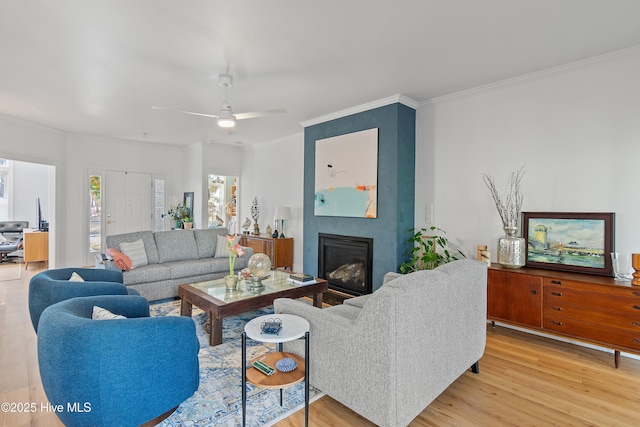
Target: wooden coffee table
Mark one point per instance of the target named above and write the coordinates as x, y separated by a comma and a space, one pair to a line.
213, 298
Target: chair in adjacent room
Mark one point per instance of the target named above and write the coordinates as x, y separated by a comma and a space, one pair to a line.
51, 286
117, 372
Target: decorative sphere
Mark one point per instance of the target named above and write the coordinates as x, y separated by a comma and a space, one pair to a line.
259, 265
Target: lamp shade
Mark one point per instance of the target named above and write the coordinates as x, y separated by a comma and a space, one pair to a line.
282, 212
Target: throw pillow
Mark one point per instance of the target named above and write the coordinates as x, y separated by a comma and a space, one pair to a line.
75, 277
120, 260
100, 313
222, 250
136, 252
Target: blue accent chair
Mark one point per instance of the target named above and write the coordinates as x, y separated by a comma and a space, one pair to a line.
117, 372
51, 286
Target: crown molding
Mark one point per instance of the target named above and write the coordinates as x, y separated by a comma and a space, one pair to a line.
531, 76
395, 99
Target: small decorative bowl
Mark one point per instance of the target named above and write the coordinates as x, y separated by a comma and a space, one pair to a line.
286, 365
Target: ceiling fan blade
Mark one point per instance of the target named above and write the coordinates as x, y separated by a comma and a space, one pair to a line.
242, 116
185, 112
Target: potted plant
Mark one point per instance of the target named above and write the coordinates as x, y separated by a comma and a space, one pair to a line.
188, 222
235, 250
429, 250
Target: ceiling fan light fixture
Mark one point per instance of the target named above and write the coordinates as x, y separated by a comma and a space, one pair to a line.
227, 121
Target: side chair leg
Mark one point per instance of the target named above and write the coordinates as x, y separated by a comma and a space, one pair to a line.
475, 368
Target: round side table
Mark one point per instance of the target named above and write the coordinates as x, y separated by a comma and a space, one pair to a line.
293, 328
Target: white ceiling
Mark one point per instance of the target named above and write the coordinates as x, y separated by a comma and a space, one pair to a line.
98, 66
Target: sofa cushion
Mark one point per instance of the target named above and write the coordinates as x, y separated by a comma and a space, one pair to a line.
136, 253
114, 241
147, 273
176, 245
347, 311
206, 240
357, 301
190, 268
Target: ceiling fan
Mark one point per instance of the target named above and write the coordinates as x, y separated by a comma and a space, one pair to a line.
226, 117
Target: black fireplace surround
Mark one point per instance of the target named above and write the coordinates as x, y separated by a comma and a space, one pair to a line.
346, 262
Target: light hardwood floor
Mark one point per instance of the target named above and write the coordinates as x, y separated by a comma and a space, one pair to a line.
524, 380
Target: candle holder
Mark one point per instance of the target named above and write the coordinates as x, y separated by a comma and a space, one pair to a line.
635, 263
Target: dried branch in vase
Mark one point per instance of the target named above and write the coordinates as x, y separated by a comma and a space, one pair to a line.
509, 207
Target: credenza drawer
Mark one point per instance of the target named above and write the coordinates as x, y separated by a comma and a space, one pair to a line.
593, 332
559, 296
619, 290
589, 314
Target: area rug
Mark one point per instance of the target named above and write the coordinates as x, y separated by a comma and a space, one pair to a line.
10, 271
218, 401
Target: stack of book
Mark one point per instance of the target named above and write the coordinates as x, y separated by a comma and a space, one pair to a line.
301, 279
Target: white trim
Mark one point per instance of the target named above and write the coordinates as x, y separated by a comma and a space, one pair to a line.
364, 107
530, 76
567, 340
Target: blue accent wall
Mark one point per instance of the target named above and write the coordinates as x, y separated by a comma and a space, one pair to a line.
396, 125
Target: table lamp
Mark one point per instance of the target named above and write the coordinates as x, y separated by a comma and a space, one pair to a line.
282, 213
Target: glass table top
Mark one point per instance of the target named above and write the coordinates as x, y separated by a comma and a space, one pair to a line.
276, 282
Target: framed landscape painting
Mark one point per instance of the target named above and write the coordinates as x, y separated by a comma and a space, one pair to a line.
570, 241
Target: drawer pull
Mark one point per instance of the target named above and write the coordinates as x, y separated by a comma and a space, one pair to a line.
556, 308
637, 307
557, 282
636, 323
636, 340
559, 294
636, 293
534, 292
556, 323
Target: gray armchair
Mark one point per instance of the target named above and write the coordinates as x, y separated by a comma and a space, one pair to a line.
389, 354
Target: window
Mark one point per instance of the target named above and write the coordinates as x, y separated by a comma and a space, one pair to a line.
95, 213
158, 204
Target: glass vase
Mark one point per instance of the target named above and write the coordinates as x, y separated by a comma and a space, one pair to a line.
511, 249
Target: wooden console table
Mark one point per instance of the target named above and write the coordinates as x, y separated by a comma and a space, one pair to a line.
279, 250
590, 308
36, 247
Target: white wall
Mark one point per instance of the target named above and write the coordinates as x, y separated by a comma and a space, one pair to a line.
27, 142
30, 181
273, 172
576, 131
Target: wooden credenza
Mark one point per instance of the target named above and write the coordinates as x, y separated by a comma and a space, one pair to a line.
590, 308
279, 250
36, 247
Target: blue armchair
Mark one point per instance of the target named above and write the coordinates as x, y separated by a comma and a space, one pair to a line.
119, 372
51, 286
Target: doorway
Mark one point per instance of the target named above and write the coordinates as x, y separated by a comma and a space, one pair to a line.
222, 203
127, 202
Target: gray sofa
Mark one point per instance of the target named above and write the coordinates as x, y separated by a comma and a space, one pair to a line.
389, 354
174, 258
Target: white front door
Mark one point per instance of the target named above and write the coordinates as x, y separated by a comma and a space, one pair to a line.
127, 202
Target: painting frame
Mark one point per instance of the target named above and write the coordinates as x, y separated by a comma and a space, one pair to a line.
346, 175
188, 202
575, 226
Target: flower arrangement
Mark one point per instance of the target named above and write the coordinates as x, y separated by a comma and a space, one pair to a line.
235, 250
510, 206
179, 213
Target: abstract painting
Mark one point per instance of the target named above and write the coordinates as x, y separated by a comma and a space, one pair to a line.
346, 175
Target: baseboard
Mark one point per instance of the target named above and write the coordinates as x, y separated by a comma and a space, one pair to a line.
567, 340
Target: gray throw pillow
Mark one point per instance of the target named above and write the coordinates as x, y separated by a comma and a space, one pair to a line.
136, 252
222, 249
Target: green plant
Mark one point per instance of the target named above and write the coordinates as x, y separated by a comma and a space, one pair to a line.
429, 250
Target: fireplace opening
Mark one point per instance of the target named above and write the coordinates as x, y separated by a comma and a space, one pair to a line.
346, 262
